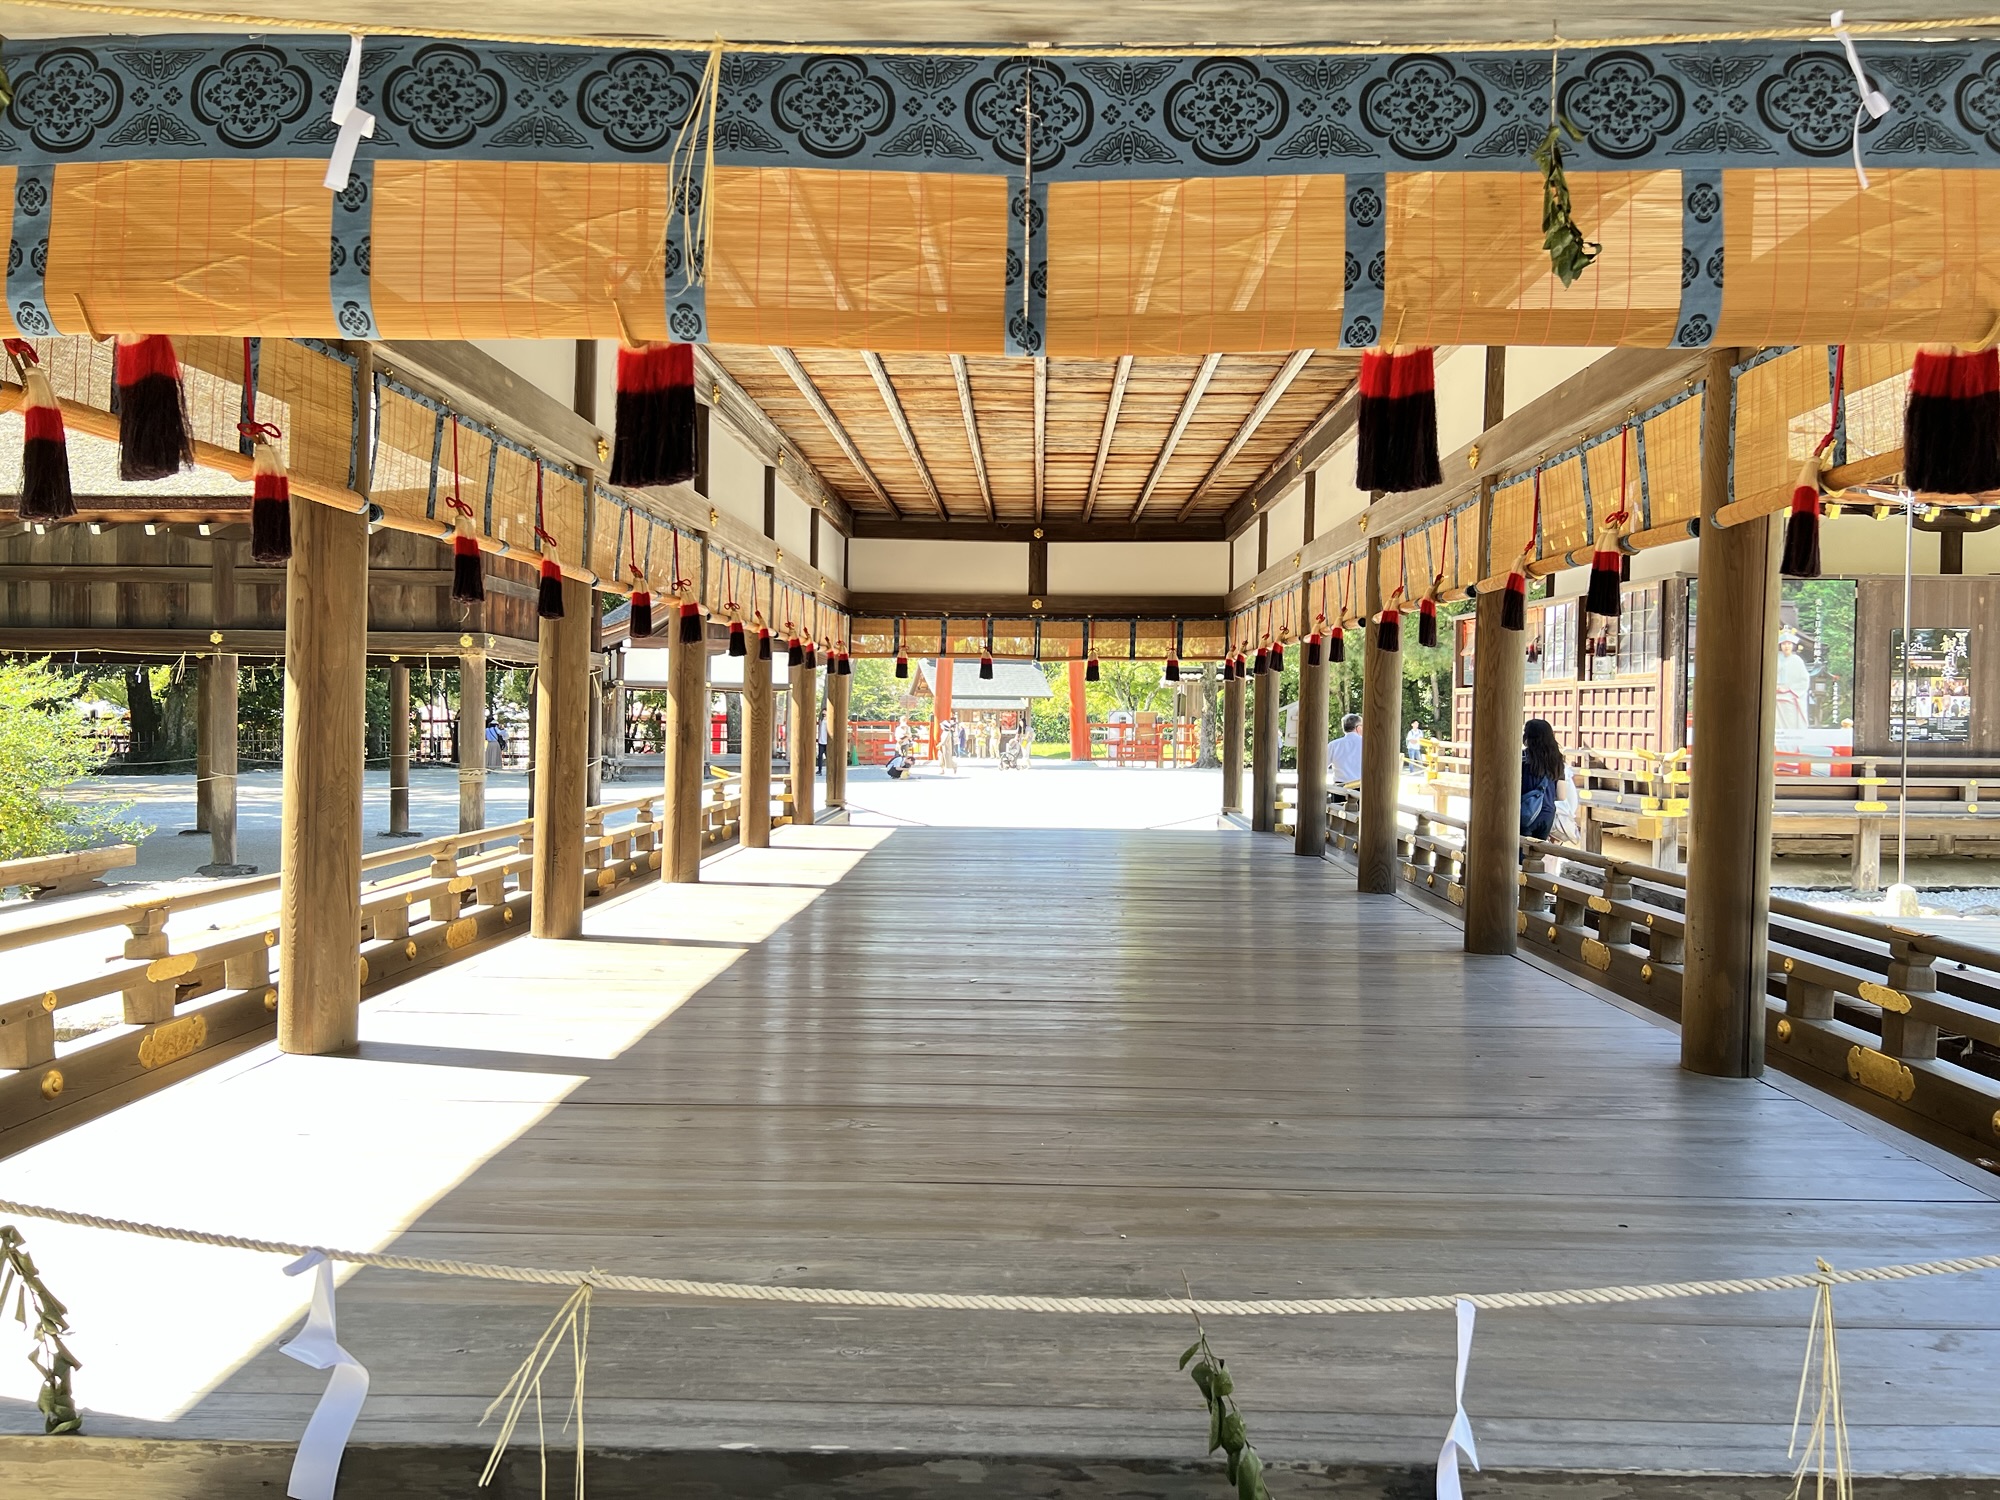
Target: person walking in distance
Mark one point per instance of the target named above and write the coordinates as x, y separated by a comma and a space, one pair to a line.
1343, 755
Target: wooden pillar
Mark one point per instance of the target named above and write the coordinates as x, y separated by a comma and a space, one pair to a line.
471, 741
758, 708
836, 739
204, 679
399, 749
1079, 715
600, 696
562, 704
319, 916
805, 742
1309, 815
1729, 863
1264, 752
940, 700
1381, 743
1493, 826
1499, 685
1232, 745
686, 755
218, 731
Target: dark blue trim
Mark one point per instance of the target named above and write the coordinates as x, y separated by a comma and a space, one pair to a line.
1027, 290
28, 255
1366, 271
1701, 257
350, 256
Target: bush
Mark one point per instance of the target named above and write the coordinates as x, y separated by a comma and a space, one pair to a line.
44, 747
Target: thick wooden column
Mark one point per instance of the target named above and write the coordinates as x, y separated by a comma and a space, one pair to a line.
600, 709
1493, 827
562, 706
758, 708
399, 749
1309, 815
686, 755
836, 740
1264, 751
805, 742
1381, 744
1079, 715
218, 731
204, 789
319, 900
1729, 859
1232, 745
471, 741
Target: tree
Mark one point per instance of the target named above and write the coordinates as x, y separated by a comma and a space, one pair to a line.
44, 747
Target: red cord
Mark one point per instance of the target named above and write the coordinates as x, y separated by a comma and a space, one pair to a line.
1839, 402
454, 501
541, 535
250, 427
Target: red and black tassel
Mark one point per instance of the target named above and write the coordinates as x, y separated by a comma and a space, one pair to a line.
763, 643
45, 486
1262, 664
467, 584
1951, 426
1514, 601
1427, 621
795, 652
1090, 670
690, 623
1173, 669
153, 439
1606, 568
655, 438
985, 669
1389, 630
548, 598
642, 614
1277, 656
902, 664
1396, 447
270, 505
738, 646
812, 656
1801, 555
1336, 645
1315, 649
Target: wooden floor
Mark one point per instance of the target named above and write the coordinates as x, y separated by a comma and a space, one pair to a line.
1028, 1061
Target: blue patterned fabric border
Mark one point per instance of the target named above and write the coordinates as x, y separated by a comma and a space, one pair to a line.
1027, 297
1701, 259
1367, 270
28, 255
1706, 107
347, 280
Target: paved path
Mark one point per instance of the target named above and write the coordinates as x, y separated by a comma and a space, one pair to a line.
1024, 1060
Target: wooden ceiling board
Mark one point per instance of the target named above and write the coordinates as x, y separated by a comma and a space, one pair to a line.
1079, 391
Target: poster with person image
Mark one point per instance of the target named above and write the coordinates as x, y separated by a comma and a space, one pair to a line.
1930, 690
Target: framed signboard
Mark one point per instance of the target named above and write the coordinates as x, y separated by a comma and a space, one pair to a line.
1930, 693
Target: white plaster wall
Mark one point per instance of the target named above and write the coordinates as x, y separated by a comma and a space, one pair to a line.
1533, 372
549, 364
735, 477
1337, 499
1461, 395
1862, 544
832, 551
794, 521
1287, 518
1145, 568
885, 565
1245, 553
1654, 563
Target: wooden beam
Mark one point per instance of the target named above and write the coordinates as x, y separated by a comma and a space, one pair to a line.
1280, 383
879, 373
1202, 377
484, 388
562, 753
1118, 382
765, 438
963, 375
817, 402
869, 528
1041, 435
1327, 429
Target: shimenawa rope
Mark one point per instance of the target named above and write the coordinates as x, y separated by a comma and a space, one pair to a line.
1148, 1307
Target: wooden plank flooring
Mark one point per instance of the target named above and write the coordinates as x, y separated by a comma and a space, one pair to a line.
1027, 1061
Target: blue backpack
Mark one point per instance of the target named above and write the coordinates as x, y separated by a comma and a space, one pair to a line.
1538, 806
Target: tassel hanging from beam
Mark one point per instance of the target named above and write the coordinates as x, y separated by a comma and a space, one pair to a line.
46, 494
153, 439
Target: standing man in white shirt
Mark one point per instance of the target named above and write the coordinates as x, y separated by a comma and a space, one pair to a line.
1343, 755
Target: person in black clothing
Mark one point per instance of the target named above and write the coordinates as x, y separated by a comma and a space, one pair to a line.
1541, 778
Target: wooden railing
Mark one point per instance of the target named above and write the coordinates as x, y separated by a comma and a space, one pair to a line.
189, 989
1906, 1023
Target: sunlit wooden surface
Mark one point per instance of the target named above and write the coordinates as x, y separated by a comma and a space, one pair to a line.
1024, 1060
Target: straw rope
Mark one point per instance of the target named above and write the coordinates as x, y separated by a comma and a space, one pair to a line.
1139, 1307
252, 22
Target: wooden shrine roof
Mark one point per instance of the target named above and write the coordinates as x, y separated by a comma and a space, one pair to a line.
1212, 428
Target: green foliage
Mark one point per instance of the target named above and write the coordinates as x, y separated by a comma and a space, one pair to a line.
1570, 254
46, 1321
876, 692
44, 747
1225, 1420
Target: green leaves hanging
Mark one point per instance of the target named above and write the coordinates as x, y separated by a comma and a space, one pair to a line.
1225, 1421
1570, 254
46, 1320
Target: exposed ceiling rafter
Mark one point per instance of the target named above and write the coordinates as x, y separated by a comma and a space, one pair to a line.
879, 373
1273, 393
790, 361
1118, 380
963, 375
1196, 391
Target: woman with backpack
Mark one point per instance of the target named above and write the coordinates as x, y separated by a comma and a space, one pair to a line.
1542, 774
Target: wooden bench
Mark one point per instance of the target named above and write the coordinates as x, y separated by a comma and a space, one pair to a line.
66, 874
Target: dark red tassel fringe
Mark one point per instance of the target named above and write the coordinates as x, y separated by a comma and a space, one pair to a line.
763, 645
737, 645
1173, 670
1602, 597
1090, 670
655, 438
1801, 555
468, 586
1336, 645
270, 506
795, 653
1389, 631
985, 669
1396, 447
642, 615
1427, 622
690, 623
153, 439
45, 485
1514, 602
548, 599
1951, 426
902, 666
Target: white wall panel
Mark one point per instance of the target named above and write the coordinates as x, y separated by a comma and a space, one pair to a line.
735, 477
1144, 568
885, 565
1286, 517
794, 520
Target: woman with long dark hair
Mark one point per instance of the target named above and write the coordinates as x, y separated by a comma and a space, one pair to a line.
1541, 778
